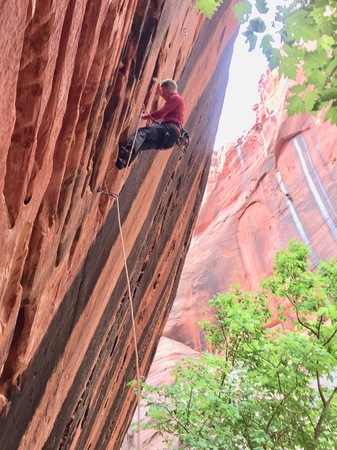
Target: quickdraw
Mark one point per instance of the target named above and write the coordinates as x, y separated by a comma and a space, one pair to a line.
184, 140
110, 194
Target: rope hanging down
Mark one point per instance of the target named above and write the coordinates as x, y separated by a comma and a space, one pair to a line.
116, 196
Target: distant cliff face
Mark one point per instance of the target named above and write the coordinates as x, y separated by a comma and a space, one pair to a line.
75, 75
275, 184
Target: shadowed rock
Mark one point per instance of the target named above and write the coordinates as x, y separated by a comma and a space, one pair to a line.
75, 77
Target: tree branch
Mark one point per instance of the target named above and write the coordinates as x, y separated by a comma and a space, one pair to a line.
320, 390
320, 322
331, 337
299, 320
326, 404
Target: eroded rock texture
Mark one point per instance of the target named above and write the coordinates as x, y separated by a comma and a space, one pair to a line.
74, 76
275, 184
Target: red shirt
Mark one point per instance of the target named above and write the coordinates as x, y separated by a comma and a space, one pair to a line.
173, 110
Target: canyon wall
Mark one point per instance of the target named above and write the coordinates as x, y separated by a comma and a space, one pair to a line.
74, 77
274, 184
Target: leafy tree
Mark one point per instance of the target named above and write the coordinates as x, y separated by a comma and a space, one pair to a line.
260, 388
307, 30
308, 35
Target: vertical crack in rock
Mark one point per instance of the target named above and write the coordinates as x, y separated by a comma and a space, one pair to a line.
21, 154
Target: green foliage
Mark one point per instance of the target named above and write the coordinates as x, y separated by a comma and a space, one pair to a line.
308, 34
242, 11
262, 6
307, 30
208, 7
260, 388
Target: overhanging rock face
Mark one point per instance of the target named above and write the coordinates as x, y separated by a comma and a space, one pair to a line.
75, 74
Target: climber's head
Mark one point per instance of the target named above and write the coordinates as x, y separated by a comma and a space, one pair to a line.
169, 86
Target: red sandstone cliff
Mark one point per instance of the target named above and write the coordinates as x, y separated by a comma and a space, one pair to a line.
74, 76
275, 184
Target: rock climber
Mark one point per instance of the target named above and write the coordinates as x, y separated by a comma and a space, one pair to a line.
158, 135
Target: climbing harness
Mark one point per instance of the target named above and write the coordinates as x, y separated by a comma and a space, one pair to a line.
184, 139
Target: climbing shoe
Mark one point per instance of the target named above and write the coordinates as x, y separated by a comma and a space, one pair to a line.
124, 152
121, 164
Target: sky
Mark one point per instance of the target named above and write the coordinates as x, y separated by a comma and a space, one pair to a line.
241, 94
245, 71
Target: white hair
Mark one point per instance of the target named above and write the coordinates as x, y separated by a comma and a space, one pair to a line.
169, 82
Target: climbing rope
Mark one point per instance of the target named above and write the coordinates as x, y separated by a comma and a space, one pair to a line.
134, 332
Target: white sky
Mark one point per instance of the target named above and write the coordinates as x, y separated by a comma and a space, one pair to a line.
242, 93
245, 71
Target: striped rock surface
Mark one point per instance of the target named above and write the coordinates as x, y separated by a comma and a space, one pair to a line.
74, 77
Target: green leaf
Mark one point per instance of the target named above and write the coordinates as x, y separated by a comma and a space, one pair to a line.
251, 38
310, 99
289, 67
242, 10
266, 43
331, 114
326, 41
331, 67
274, 58
262, 6
318, 79
258, 25
208, 7
293, 51
301, 25
329, 94
314, 60
295, 105
299, 88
